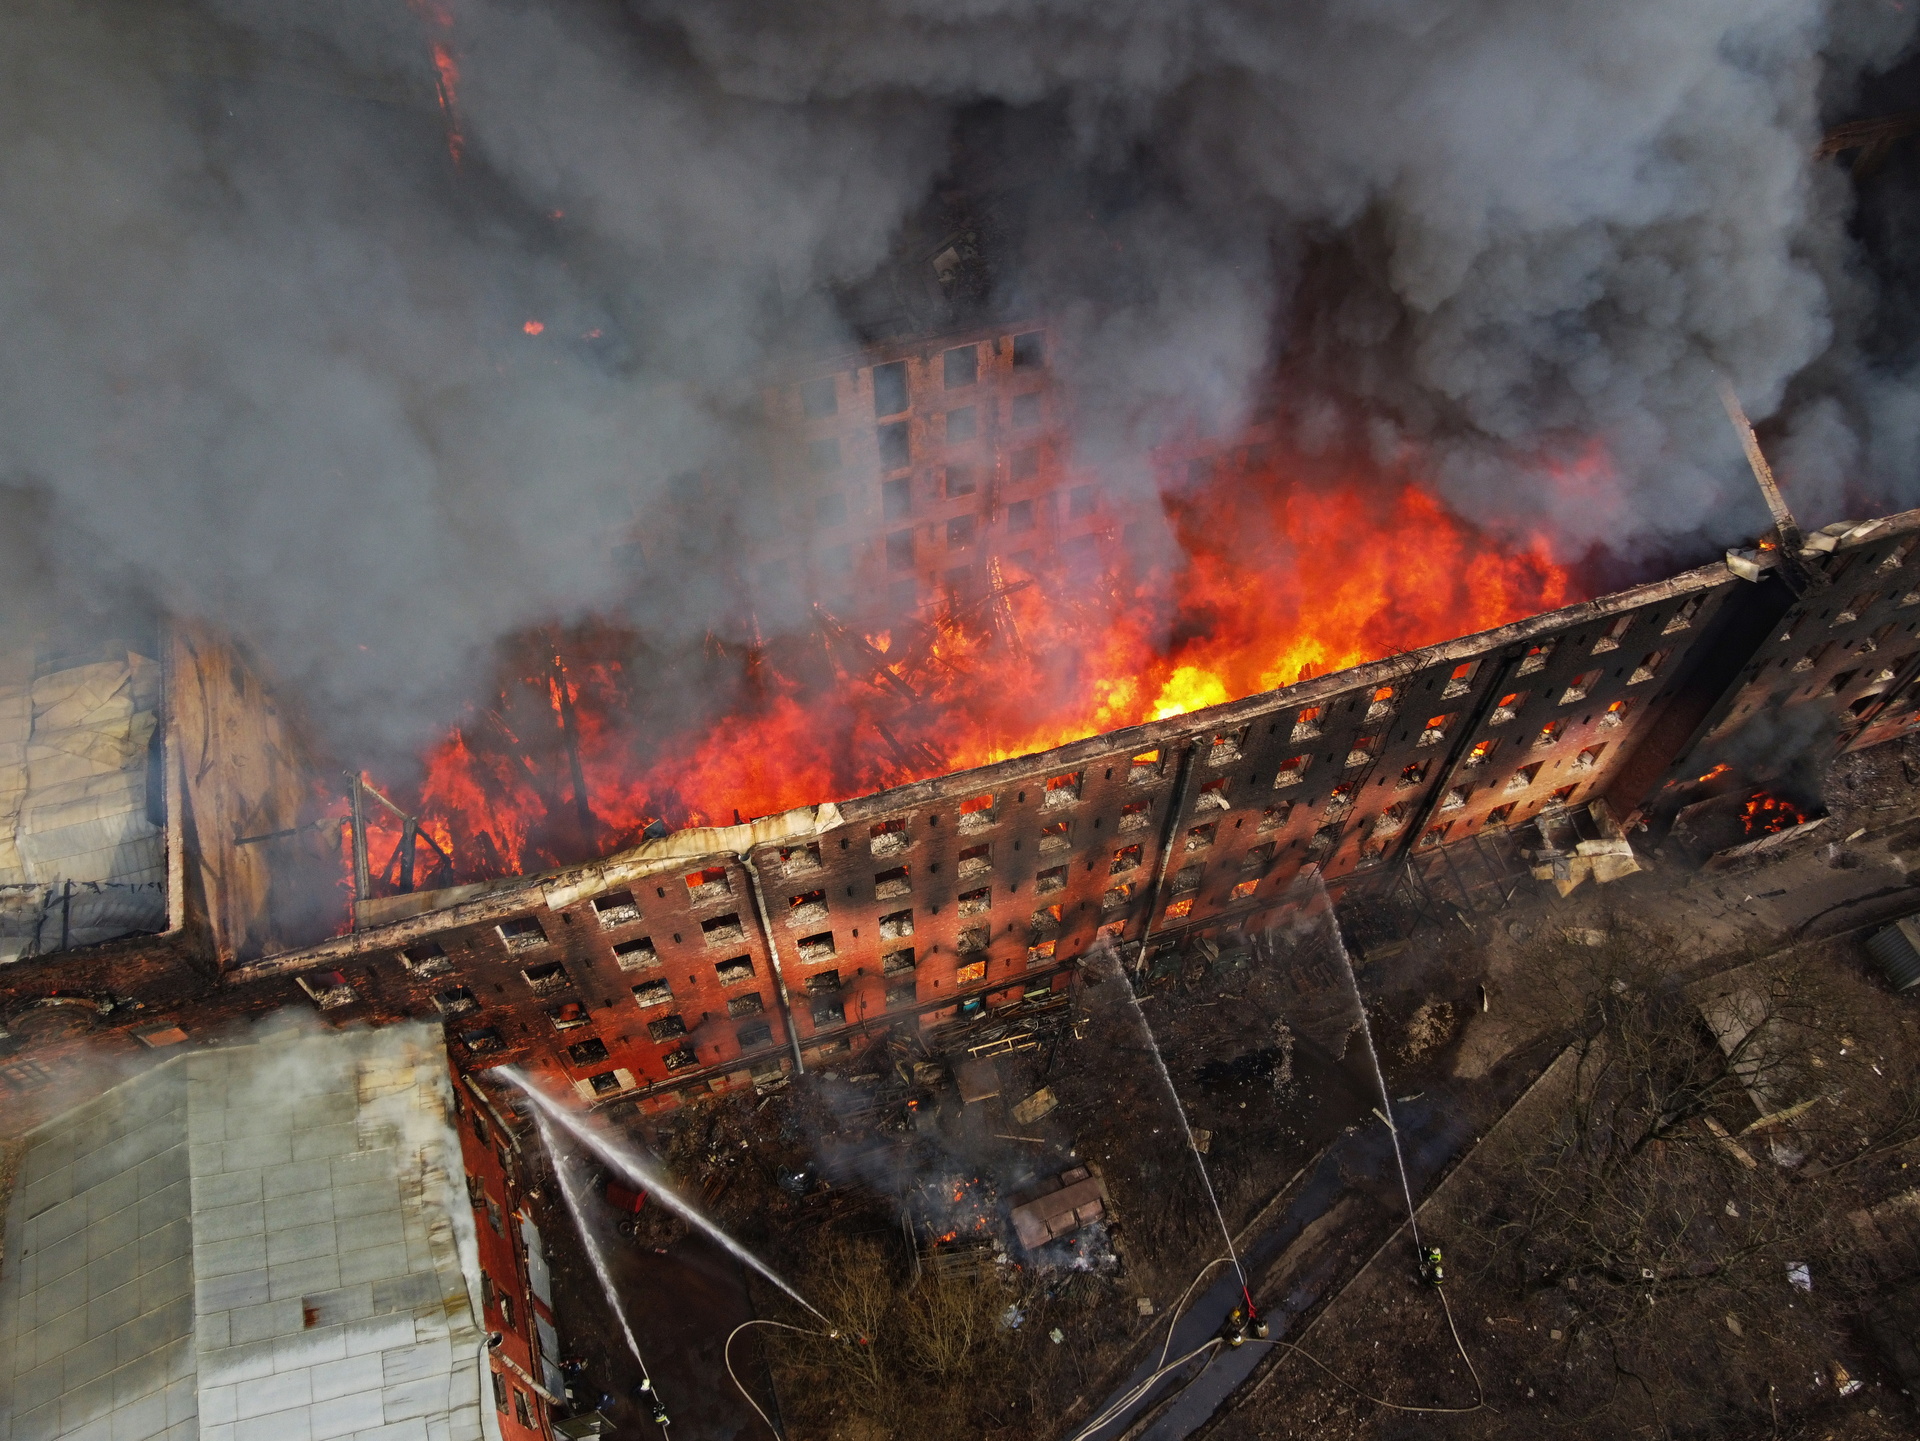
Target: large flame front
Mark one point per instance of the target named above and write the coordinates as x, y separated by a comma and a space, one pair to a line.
1270, 582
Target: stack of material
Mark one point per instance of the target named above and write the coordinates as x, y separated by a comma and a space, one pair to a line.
81, 860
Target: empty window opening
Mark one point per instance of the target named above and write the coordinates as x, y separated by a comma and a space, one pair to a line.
1226, 747
1840, 681
819, 398
1482, 751
976, 903
1523, 777
1020, 515
896, 498
1306, 725
1338, 802
900, 550
1500, 815
667, 1028
960, 481
799, 860
1434, 835
894, 446
896, 925
1549, 733
459, 1001
636, 955
1062, 790
890, 388
617, 909
1135, 817
755, 1033
1578, 687
808, 908
1589, 758
1026, 462
1292, 771
680, 1058
888, 838
722, 930
652, 993
960, 425
961, 367
1026, 410
1609, 638
735, 970
1054, 878
960, 531
1243, 889
1616, 713
1117, 896
1125, 859
1649, 666
1856, 607
425, 959
830, 509
1144, 768
976, 861
823, 983
1083, 500
1213, 796
1454, 799
973, 938
823, 455
896, 882
708, 885
815, 948
1382, 703
1507, 707
545, 980
1682, 618
587, 1052
897, 963
1275, 816
1179, 910
1029, 350
1363, 750
521, 933
1200, 837
1460, 681
1056, 837
1046, 919
1435, 730
1412, 775
1536, 658
829, 1011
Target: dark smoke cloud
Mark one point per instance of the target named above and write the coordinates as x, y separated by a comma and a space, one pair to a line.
261, 345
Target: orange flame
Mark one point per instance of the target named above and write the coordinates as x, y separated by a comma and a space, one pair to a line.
1766, 815
1271, 580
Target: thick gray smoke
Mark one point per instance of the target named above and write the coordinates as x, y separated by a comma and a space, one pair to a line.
263, 346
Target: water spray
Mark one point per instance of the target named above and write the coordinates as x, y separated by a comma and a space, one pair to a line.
570, 1193
641, 1172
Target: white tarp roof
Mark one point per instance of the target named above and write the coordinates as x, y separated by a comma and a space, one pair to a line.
80, 860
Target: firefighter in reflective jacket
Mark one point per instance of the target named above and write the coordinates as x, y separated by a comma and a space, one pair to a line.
1431, 1271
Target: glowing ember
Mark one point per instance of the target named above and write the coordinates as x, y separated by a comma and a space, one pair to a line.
534, 327
1716, 772
1273, 581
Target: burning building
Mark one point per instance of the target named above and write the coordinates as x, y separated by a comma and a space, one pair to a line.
717, 956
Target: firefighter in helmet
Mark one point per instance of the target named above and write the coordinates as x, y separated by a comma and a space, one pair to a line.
1431, 1270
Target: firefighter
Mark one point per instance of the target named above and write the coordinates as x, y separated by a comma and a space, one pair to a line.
1234, 1329
1431, 1270
650, 1398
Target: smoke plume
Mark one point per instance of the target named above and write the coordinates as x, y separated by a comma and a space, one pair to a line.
361, 328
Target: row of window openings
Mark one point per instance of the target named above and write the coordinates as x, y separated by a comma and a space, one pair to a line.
893, 443
959, 368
